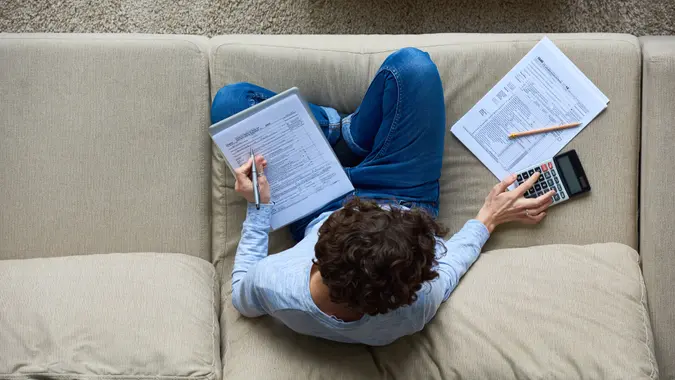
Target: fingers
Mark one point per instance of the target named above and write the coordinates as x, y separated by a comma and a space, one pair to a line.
260, 164
540, 209
262, 180
534, 219
525, 186
244, 170
546, 198
538, 213
526, 204
503, 185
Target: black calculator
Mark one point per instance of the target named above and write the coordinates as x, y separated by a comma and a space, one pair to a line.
562, 173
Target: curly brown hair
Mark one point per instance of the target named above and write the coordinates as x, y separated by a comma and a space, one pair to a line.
375, 260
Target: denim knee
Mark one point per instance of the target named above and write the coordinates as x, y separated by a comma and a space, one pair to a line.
412, 64
232, 99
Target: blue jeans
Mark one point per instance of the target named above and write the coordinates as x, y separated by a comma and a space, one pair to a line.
398, 130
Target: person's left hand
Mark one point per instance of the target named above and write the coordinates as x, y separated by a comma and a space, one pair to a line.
243, 184
502, 206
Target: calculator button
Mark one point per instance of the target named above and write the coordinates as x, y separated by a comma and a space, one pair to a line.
557, 180
539, 193
562, 195
560, 189
519, 178
553, 171
544, 167
547, 175
550, 182
538, 169
544, 186
532, 191
550, 165
526, 175
537, 187
530, 172
556, 197
541, 179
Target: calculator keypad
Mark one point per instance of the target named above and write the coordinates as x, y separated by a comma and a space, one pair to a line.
548, 180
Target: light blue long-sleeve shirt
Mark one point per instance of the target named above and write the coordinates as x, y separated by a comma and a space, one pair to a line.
278, 284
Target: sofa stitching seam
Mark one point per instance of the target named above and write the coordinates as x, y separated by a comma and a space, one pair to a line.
224, 203
419, 46
643, 314
81, 376
213, 322
94, 38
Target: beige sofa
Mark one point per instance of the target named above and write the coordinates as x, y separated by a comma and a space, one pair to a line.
118, 219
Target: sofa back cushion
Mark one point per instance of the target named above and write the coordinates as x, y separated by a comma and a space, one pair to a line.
103, 145
336, 71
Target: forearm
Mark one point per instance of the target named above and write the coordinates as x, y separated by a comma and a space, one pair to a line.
253, 247
462, 251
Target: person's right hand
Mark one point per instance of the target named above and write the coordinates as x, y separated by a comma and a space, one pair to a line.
503, 206
243, 184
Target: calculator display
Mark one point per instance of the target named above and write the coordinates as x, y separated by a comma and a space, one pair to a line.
567, 170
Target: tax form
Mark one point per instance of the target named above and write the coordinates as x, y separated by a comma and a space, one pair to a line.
303, 172
544, 89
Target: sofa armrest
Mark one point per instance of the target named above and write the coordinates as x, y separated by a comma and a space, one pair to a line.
657, 203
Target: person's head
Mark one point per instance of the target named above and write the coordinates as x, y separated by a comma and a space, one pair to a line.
375, 260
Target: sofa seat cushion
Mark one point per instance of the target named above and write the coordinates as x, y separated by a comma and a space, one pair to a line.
124, 316
263, 348
545, 312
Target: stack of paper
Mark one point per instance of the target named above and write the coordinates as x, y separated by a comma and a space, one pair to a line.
303, 172
544, 89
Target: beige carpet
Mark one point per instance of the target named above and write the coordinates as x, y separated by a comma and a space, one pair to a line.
212, 17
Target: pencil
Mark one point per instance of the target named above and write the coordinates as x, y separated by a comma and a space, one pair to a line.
543, 130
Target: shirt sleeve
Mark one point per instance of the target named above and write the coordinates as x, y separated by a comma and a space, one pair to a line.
252, 248
462, 251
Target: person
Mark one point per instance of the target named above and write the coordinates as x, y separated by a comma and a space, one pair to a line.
373, 266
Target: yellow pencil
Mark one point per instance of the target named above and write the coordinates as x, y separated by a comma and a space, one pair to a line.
543, 130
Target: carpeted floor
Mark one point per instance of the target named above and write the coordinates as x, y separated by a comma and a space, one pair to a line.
212, 17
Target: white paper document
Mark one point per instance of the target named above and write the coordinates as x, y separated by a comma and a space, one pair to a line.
303, 172
544, 89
